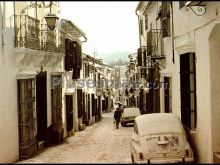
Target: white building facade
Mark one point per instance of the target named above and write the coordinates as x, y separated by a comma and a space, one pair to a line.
190, 66
33, 78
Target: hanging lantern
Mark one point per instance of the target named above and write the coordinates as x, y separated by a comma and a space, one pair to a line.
51, 20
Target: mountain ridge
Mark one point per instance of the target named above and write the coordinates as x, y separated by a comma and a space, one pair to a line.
114, 56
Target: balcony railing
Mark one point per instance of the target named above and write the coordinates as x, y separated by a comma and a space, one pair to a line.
155, 44
30, 34
52, 40
27, 32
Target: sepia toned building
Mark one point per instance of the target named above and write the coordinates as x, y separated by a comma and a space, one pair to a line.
182, 38
37, 105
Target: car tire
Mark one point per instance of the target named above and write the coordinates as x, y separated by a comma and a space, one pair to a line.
123, 124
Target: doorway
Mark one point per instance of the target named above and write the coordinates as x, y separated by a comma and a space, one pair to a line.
41, 105
69, 112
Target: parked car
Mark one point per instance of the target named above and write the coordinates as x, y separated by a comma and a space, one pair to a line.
129, 114
160, 138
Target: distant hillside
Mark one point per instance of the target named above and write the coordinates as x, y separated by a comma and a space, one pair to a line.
115, 56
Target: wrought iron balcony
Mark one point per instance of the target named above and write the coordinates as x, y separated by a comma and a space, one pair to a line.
52, 40
155, 43
30, 34
27, 32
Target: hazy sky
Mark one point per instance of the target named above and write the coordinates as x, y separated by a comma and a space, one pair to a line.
109, 26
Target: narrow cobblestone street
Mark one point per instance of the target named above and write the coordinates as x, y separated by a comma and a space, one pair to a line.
99, 143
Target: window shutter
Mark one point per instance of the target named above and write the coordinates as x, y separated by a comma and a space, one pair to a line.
67, 59
149, 43
165, 18
79, 55
139, 57
72, 57
71, 54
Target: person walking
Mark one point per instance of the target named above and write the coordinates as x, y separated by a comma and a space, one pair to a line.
117, 116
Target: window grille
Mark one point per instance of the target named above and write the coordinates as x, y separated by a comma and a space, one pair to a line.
27, 118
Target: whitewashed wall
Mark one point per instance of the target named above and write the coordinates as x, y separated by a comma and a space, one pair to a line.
8, 92
192, 35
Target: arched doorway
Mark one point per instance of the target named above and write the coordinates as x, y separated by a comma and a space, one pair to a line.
214, 48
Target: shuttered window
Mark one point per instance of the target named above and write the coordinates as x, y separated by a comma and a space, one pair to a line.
67, 58
27, 118
188, 89
142, 61
73, 57
165, 18
77, 54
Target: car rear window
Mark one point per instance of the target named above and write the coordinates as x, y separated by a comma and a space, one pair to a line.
160, 127
131, 112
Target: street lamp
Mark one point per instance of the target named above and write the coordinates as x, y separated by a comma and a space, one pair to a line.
51, 19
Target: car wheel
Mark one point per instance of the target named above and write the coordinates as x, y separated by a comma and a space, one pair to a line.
122, 124
132, 159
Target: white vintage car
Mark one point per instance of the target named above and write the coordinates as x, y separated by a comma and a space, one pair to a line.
160, 138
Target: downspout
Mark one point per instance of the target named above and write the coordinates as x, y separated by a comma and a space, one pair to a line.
138, 27
3, 25
173, 59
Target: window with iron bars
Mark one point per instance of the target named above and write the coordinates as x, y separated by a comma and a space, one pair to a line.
27, 118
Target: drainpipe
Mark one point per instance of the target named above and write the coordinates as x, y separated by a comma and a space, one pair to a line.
3, 25
139, 27
173, 59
